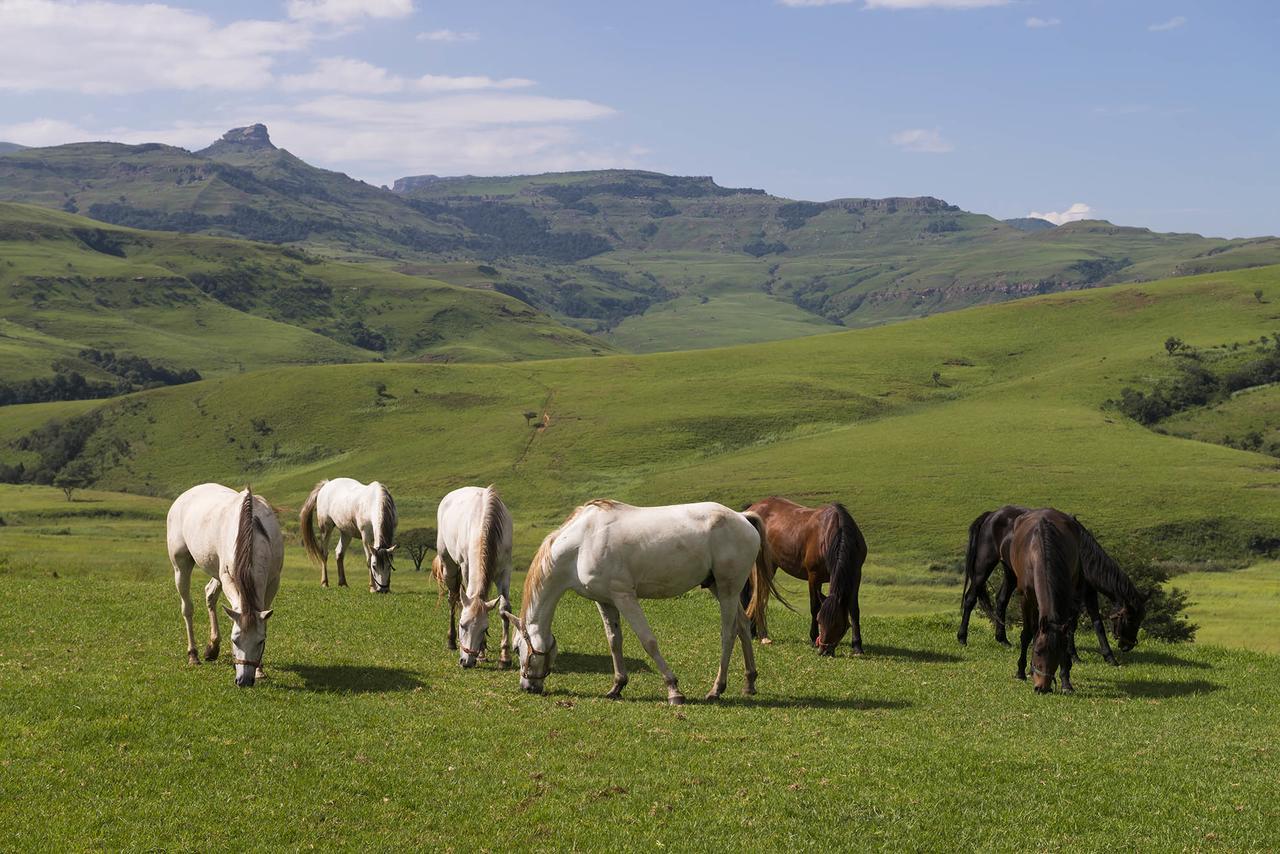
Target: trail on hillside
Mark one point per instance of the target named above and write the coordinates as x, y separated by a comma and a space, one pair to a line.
544, 421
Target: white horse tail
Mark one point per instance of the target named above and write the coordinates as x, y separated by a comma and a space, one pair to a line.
762, 576
307, 518
437, 572
242, 565
485, 545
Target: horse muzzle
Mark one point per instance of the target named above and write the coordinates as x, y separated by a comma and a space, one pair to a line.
245, 680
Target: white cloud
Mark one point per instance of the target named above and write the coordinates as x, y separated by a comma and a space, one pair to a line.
339, 74
1043, 23
1075, 213
1171, 24
447, 36
347, 11
934, 4
112, 48
921, 140
443, 83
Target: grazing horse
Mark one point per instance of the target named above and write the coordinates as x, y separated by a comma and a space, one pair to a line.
235, 538
986, 533
615, 555
1043, 550
473, 552
356, 510
817, 545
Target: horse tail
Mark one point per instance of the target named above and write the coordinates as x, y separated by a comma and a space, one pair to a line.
762, 573
310, 542
971, 564
242, 562
846, 550
485, 546
437, 572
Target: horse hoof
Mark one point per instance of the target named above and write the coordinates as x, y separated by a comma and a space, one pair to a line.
749, 690
1067, 689
1113, 662
260, 674
857, 649
964, 639
766, 641
324, 584
192, 658
712, 696
504, 664
1003, 641
676, 699
211, 653
342, 583
1021, 676
614, 694
452, 645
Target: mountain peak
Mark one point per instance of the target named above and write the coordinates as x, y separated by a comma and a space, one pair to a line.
249, 138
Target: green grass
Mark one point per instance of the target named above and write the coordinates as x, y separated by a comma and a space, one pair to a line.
1240, 608
367, 734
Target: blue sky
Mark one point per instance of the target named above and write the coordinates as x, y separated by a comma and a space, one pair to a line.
1160, 113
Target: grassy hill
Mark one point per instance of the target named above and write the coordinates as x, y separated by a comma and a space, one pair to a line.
916, 426
220, 306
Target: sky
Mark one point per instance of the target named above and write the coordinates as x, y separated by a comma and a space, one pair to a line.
1158, 113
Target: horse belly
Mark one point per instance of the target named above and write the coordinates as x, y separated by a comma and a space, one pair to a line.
668, 585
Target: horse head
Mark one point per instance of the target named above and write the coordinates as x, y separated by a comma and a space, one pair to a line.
380, 569
833, 623
1125, 622
248, 640
535, 661
1048, 653
473, 630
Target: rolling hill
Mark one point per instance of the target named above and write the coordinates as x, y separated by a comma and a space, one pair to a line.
645, 260
917, 426
218, 305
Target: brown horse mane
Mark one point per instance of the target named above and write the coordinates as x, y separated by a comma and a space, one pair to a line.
490, 531
1101, 571
242, 564
540, 568
1059, 583
845, 552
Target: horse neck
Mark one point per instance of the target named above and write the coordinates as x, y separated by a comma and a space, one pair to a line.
541, 610
373, 508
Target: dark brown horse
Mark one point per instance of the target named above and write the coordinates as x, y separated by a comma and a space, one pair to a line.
988, 532
1044, 550
818, 545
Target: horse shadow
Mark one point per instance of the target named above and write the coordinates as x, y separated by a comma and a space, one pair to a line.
590, 662
922, 656
1153, 657
845, 704
1159, 689
351, 679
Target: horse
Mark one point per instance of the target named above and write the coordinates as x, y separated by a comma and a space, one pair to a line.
615, 555
235, 538
473, 552
356, 510
989, 531
1043, 549
986, 533
817, 545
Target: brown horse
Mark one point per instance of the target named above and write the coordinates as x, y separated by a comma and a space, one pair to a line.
1044, 552
817, 545
989, 531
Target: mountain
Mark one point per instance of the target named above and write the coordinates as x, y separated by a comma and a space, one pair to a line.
7, 147
1030, 223
644, 260
220, 306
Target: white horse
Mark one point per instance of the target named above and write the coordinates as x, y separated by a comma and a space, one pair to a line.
355, 510
473, 551
234, 537
615, 555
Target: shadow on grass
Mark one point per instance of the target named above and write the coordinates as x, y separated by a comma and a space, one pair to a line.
1153, 657
351, 679
1165, 688
848, 704
923, 656
587, 662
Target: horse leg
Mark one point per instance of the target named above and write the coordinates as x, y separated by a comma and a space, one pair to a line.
182, 566
728, 631
339, 552
325, 530
1095, 616
368, 560
1072, 624
1065, 667
977, 582
1002, 604
211, 591
504, 604
613, 633
748, 654
1030, 616
815, 603
630, 608
453, 583
855, 622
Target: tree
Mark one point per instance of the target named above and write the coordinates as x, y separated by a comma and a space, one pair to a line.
74, 476
529, 415
1258, 294
417, 542
1173, 344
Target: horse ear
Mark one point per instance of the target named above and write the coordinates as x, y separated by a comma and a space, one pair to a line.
393, 548
513, 619
492, 603
232, 614
266, 615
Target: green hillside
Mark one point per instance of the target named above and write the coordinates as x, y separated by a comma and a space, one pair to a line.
916, 426
222, 306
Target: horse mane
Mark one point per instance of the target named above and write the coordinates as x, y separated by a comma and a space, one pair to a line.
242, 564
490, 532
846, 549
1103, 572
540, 568
1057, 572
386, 518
